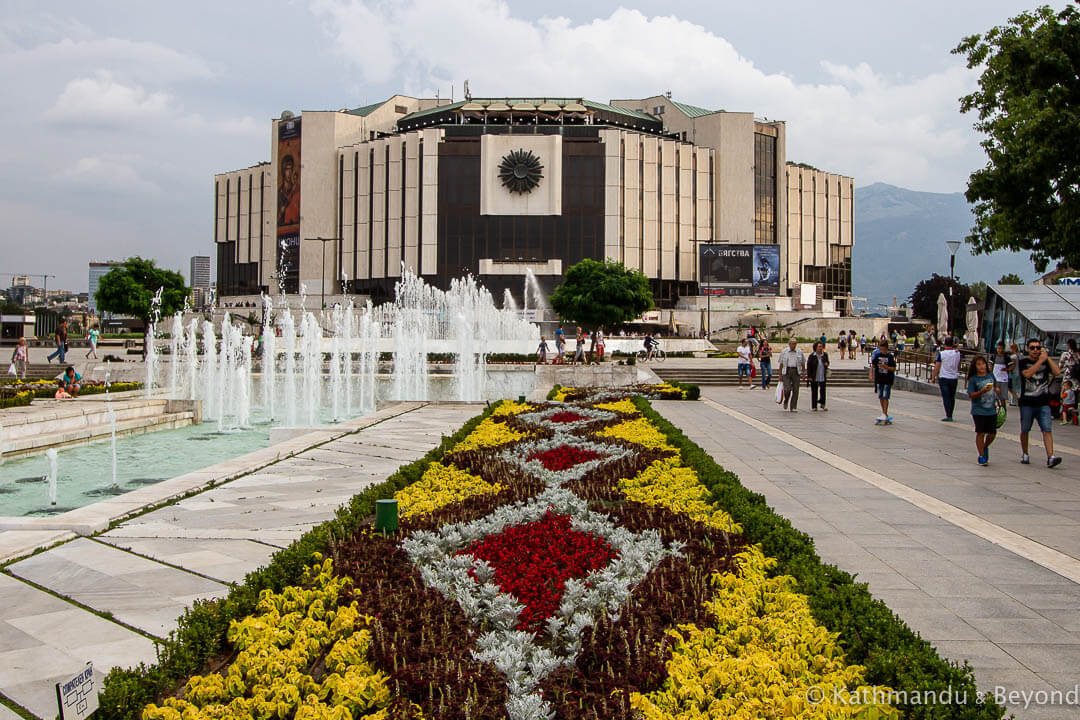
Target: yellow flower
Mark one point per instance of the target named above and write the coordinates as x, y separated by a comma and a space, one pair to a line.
764, 658
509, 407
488, 434
621, 406
640, 431
441, 485
668, 483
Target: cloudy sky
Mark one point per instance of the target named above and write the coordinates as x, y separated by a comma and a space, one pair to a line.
121, 112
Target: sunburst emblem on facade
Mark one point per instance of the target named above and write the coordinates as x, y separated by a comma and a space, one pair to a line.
520, 171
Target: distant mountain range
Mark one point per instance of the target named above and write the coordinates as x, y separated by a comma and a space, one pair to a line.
900, 239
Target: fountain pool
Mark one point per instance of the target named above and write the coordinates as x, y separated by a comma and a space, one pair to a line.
85, 476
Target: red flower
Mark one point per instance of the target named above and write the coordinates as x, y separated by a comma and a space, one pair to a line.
566, 417
565, 456
533, 561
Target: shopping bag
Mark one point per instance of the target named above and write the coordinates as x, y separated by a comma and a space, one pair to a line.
753, 371
1002, 413
11, 369
779, 393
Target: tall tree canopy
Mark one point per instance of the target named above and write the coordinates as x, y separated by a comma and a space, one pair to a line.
601, 294
1011, 279
1028, 104
924, 299
130, 288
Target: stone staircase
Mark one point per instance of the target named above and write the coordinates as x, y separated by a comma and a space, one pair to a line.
729, 376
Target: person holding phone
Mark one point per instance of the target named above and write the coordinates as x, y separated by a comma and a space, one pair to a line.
1036, 371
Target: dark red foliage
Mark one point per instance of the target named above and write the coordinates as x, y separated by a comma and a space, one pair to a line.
533, 561
423, 641
565, 456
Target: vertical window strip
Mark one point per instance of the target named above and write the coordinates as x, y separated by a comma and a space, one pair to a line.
355, 208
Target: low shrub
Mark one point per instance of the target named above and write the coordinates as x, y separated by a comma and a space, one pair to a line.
200, 634
870, 633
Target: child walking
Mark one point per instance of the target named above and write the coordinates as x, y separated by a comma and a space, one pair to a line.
982, 391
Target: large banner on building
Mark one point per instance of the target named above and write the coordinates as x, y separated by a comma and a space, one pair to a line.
743, 270
288, 204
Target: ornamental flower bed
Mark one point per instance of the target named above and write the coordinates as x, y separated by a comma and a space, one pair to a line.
612, 586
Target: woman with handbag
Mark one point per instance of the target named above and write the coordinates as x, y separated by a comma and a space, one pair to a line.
20, 358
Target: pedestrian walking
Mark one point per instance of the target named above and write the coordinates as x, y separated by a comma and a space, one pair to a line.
1036, 371
851, 345
765, 359
1070, 362
792, 371
1004, 363
599, 338
60, 338
579, 348
841, 344
743, 352
947, 373
982, 391
542, 351
883, 372
20, 358
817, 372
1014, 374
92, 336
560, 345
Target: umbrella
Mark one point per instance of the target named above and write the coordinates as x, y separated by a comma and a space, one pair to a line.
942, 315
758, 317
972, 323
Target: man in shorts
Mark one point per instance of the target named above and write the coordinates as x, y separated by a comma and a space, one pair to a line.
883, 372
744, 352
1036, 371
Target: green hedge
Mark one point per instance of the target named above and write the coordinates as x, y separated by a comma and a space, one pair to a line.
870, 633
46, 392
200, 634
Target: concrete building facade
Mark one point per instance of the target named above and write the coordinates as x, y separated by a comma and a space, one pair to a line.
97, 270
498, 187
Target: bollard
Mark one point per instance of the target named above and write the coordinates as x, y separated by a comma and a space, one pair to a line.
386, 517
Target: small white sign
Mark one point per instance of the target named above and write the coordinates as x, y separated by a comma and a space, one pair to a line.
527, 315
78, 696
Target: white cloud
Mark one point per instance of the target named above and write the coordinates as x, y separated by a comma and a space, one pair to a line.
904, 131
135, 59
102, 101
110, 174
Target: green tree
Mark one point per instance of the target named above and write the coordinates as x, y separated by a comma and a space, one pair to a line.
1027, 197
924, 299
1011, 279
978, 289
601, 294
130, 288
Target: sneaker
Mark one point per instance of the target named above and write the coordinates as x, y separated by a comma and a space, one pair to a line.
824, 409
982, 460
946, 419
1025, 459
794, 410
1053, 461
814, 409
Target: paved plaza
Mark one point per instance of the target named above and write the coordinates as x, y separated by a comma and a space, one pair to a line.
983, 562
142, 574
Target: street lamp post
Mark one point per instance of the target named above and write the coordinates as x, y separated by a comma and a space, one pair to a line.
953, 246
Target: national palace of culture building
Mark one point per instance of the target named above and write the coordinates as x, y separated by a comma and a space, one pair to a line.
701, 201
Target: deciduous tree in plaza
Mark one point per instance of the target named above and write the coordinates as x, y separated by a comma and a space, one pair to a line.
601, 294
130, 288
1027, 197
924, 298
1011, 279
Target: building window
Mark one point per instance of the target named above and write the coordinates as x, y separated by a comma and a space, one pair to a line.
764, 189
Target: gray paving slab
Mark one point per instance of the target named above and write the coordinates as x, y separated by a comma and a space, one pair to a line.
136, 590
1013, 619
43, 637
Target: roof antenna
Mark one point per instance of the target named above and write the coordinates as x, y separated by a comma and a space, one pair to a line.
468, 95
667, 94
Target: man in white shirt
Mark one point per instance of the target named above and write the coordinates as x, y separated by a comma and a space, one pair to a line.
947, 373
792, 371
744, 363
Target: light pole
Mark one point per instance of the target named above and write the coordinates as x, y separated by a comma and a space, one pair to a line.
953, 246
322, 269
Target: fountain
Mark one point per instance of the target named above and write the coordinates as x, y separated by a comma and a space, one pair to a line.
50, 455
112, 419
298, 351
148, 343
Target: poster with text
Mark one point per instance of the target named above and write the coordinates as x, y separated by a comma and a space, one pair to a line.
288, 204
